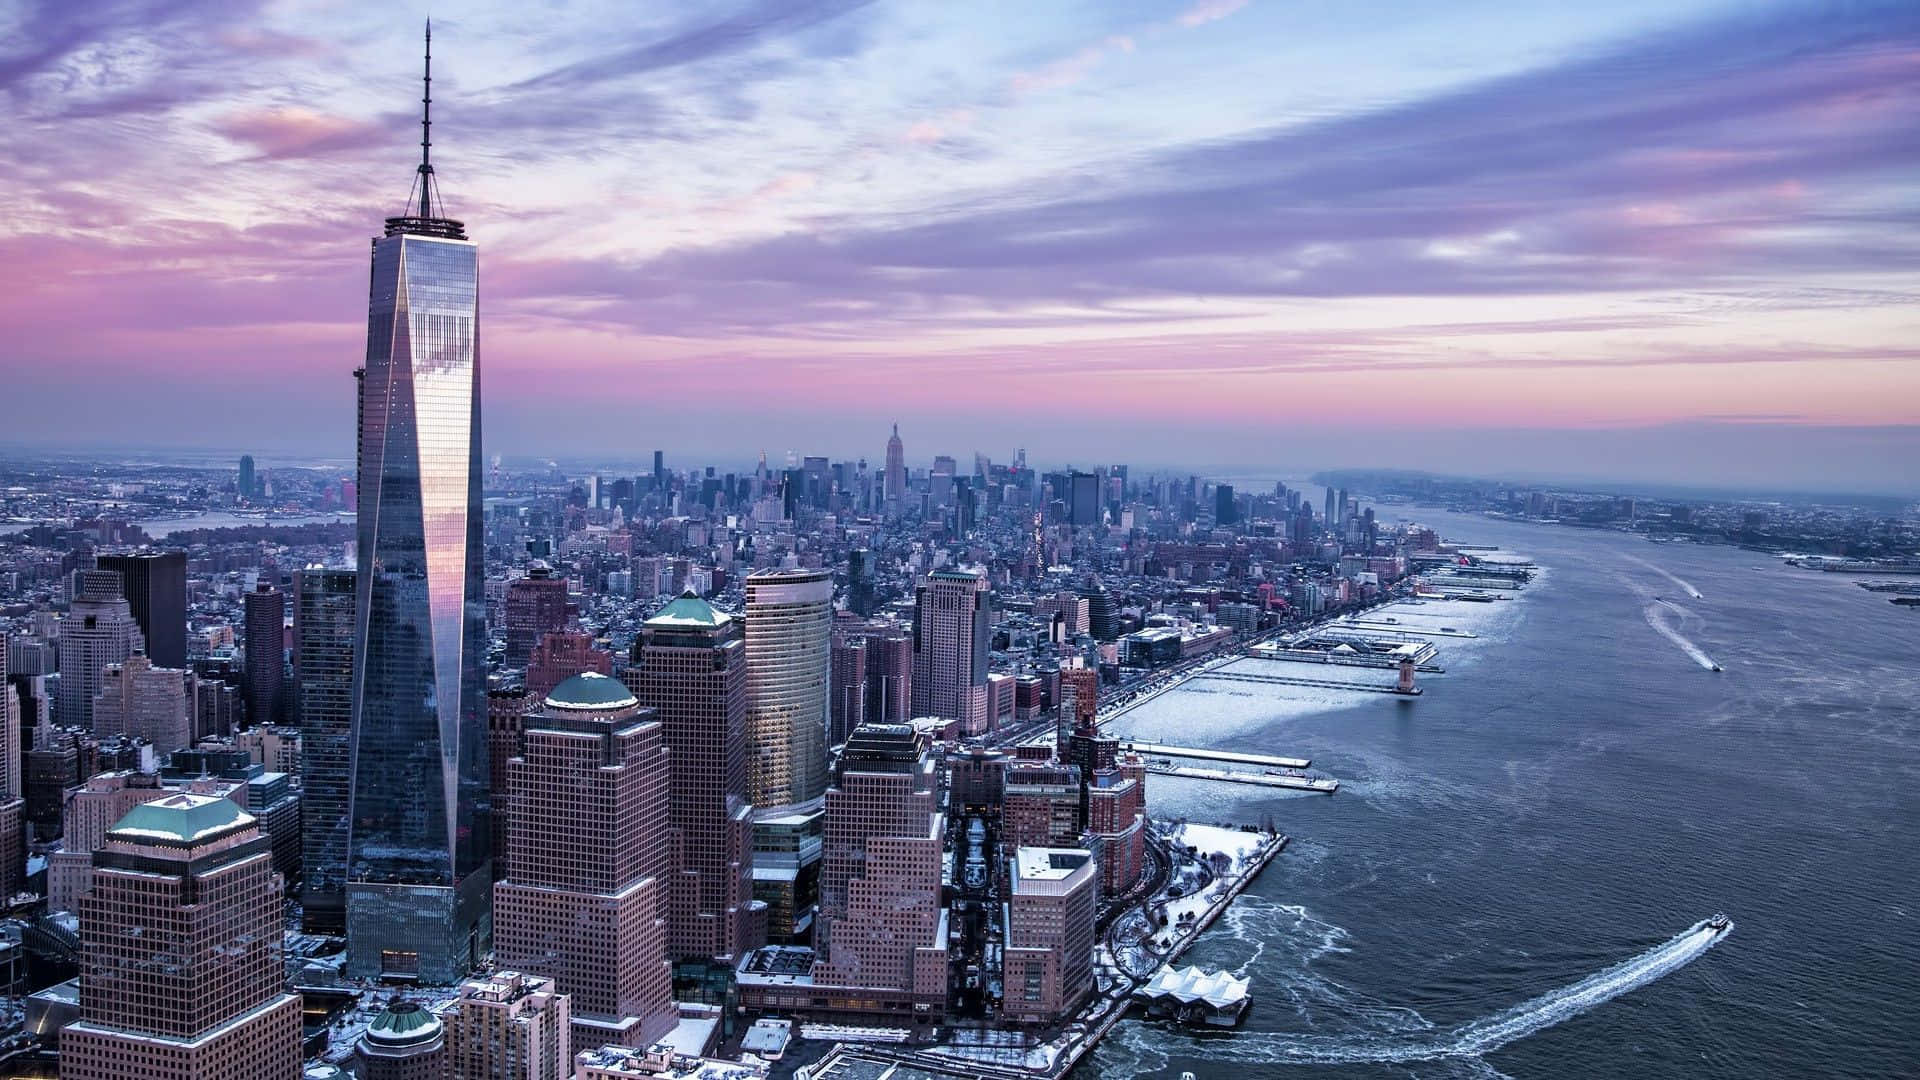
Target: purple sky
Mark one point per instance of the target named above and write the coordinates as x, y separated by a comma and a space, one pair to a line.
1660, 241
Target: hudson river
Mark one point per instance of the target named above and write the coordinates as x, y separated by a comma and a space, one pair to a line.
1506, 880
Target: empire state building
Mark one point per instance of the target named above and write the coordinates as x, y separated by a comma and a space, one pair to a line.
417, 873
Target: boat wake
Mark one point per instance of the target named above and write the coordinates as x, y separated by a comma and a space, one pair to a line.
1690, 590
1485, 1035
1656, 615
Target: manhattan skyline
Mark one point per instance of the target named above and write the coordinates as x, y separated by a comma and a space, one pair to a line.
1653, 241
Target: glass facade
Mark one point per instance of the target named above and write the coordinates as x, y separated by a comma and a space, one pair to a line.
419, 797
323, 663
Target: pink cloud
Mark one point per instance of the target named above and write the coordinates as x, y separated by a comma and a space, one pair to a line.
1207, 11
296, 131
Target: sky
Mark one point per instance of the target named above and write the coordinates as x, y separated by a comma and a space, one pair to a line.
1667, 241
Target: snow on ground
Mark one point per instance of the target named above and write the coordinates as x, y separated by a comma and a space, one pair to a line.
1217, 839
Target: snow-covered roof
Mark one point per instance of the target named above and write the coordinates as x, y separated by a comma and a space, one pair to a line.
1185, 985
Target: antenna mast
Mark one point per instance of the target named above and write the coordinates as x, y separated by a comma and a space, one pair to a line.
426, 126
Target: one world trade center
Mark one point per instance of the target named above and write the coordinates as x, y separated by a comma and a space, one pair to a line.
417, 875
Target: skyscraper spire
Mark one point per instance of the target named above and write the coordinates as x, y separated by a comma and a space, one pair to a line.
426, 128
427, 215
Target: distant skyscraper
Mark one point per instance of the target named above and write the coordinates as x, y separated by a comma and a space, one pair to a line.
1224, 510
896, 476
266, 634
692, 672
881, 946
99, 630
952, 629
323, 626
181, 975
245, 487
588, 863
1083, 500
534, 605
155, 585
418, 880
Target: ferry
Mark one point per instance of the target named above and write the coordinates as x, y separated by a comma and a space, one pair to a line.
1719, 923
1717, 667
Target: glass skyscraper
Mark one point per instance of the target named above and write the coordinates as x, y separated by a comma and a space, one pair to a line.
418, 874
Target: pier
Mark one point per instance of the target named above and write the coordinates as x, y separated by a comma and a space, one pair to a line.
1164, 750
1325, 786
1412, 631
1324, 684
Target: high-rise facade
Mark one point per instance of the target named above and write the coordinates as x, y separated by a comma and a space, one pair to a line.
952, 629
246, 486
155, 585
789, 661
849, 709
692, 672
418, 859
881, 946
534, 605
1047, 965
140, 700
559, 656
13, 804
509, 1025
889, 664
323, 626
789, 639
99, 630
589, 860
405, 1042
180, 939
266, 635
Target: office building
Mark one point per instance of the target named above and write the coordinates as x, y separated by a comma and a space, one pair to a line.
99, 630
849, 707
881, 946
1047, 964
323, 625
141, 701
1225, 512
266, 638
534, 605
180, 939
418, 860
1083, 499
1040, 806
789, 641
952, 630
589, 862
691, 670
560, 655
889, 664
155, 585
509, 1026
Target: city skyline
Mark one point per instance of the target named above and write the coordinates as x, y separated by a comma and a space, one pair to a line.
1559, 238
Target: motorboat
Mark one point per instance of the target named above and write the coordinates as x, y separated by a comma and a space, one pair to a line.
1719, 923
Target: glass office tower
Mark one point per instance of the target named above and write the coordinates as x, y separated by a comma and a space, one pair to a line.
418, 875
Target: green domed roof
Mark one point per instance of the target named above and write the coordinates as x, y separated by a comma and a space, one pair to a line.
181, 818
403, 1023
688, 610
591, 690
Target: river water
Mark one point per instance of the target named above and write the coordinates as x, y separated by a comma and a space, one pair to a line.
1507, 881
